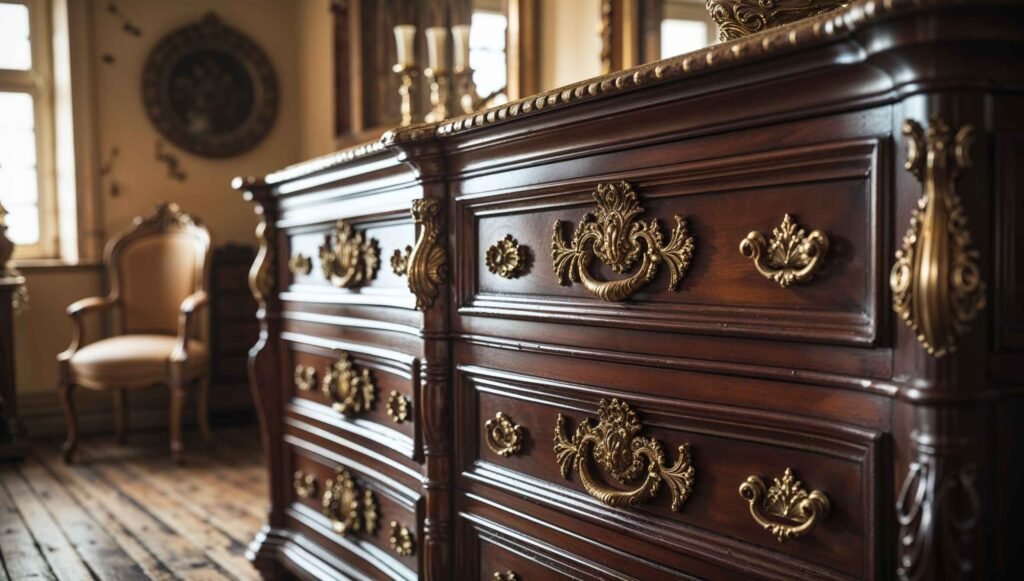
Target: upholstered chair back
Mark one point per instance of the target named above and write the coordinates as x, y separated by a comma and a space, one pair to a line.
154, 266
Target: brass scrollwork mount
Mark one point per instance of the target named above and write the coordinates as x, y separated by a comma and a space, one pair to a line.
349, 259
349, 388
349, 508
401, 540
506, 258
300, 264
304, 484
617, 448
792, 255
504, 437
305, 377
785, 510
397, 407
426, 264
615, 236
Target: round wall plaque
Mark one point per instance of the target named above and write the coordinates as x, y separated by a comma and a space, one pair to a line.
210, 89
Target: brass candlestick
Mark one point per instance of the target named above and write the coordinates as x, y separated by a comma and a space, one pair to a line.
469, 99
438, 95
407, 73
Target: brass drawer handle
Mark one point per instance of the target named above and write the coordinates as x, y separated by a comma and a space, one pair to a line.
397, 407
506, 576
786, 500
790, 256
401, 540
349, 508
503, 436
305, 377
618, 449
350, 389
304, 484
506, 258
348, 258
613, 234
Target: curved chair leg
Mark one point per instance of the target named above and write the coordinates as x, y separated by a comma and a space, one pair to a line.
120, 417
203, 408
178, 393
71, 443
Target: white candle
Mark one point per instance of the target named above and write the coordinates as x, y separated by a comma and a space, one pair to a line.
460, 41
405, 36
437, 37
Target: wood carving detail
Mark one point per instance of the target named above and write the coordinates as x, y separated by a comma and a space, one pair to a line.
936, 282
785, 509
617, 238
349, 388
790, 256
504, 437
739, 18
427, 265
349, 508
618, 450
348, 258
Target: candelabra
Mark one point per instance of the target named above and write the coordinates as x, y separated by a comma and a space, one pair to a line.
407, 74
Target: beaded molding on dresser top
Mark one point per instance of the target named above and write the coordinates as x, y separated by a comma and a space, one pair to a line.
834, 25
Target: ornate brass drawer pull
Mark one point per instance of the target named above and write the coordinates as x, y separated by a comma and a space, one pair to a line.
349, 388
300, 264
506, 258
348, 258
304, 484
503, 436
790, 256
305, 377
786, 500
397, 407
401, 540
613, 234
349, 508
506, 576
618, 449
936, 282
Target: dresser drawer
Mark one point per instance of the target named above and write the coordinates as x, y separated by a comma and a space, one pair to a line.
353, 512
610, 251
677, 473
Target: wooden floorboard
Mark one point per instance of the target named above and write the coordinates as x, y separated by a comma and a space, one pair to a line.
128, 512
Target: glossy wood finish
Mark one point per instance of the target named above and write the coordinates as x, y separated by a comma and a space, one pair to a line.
821, 378
12, 434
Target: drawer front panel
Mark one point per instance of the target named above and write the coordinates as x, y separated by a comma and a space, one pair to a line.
631, 230
356, 390
671, 472
342, 506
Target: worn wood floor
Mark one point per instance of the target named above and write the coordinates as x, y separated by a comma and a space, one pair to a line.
128, 512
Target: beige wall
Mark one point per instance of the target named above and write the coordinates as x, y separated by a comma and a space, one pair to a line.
316, 78
570, 41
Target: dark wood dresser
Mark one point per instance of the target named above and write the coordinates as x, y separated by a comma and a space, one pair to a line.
752, 312
233, 329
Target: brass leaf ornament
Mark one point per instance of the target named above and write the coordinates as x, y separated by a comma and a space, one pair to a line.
617, 448
785, 510
349, 388
506, 258
504, 437
348, 258
304, 484
426, 265
936, 283
305, 377
400, 261
397, 407
615, 236
349, 508
401, 540
791, 255
300, 264
739, 18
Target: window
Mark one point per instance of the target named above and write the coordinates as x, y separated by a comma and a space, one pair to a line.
487, 52
685, 27
26, 134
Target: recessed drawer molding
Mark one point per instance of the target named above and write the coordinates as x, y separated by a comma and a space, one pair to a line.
608, 442
305, 377
349, 388
617, 238
305, 484
349, 259
792, 255
401, 540
349, 508
504, 437
397, 407
506, 258
785, 509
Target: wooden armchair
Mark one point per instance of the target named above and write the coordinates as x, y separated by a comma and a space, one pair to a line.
158, 276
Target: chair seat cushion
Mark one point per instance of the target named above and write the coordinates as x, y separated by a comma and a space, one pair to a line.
133, 361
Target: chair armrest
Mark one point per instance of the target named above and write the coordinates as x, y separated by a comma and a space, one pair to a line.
75, 310
189, 306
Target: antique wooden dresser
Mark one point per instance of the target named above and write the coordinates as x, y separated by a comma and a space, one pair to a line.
752, 312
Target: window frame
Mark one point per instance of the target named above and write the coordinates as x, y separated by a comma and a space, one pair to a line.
37, 82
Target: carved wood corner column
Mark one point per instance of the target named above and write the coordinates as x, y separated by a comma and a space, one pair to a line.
435, 409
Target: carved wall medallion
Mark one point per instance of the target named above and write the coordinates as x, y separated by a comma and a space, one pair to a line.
401, 540
427, 265
739, 18
617, 238
504, 437
506, 258
619, 451
305, 377
300, 264
400, 261
349, 388
785, 509
936, 283
209, 89
349, 508
348, 258
790, 256
304, 484
397, 407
